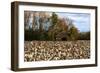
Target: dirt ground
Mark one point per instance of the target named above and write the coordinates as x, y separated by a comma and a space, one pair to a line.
56, 50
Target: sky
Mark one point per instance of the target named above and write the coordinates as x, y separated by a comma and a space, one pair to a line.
80, 20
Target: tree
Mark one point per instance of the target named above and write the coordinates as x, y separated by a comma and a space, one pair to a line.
84, 35
62, 28
54, 18
72, 33
88, 35
27, 19
52, 29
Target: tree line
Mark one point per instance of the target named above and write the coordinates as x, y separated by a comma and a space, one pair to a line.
44, 26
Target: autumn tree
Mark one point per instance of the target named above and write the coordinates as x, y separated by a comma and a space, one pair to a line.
62, 27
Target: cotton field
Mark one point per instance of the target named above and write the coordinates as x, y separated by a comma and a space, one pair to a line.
56, 50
